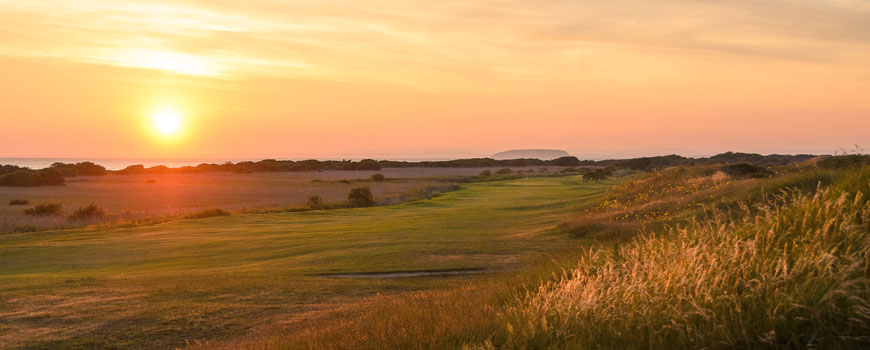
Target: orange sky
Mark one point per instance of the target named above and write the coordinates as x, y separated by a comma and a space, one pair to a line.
406, 78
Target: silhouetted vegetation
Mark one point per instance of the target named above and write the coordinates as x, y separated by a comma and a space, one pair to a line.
207, 214
367, 164
45, 209
91, 211
32, 178
596, 174
80, 169
18, 176
361, 197
378, 177
19, 202
485, 173
744, 170
315, 202
503, 171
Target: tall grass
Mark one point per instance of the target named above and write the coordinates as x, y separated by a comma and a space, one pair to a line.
790, 274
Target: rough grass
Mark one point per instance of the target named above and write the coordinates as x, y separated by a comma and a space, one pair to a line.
792, 274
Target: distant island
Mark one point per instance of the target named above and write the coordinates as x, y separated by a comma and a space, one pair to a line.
542, 154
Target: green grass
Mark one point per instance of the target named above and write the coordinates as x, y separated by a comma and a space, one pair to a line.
223, 277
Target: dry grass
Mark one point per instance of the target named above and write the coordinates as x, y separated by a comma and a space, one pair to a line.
793, 273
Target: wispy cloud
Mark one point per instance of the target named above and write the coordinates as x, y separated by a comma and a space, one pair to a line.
423, 43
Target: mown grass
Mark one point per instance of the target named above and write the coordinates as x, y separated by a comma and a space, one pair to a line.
225, 277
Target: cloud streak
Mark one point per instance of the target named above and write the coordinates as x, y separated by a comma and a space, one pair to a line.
421, 43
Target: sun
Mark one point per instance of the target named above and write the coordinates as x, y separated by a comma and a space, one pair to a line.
167, 122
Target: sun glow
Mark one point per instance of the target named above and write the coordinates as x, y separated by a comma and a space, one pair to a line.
169, 61
167, 122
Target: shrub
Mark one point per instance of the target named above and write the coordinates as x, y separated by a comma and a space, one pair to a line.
45, 209
344, 181
361, 197
315, 202
80, 169
31, 178
504, 171
89, 212
744, 170
19, 202
207, 214
368, 164
378, 177
566, 161
544, 170
596, 174
485, 173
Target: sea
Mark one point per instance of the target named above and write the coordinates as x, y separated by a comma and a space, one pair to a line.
121, 163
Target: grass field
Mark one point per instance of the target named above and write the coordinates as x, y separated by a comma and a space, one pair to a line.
223, 277
126, 198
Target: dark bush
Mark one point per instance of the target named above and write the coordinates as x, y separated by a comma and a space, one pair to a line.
485, 173
568, 170
19, 202
207, 214
504, 171
596, 174
544, 170
91, 211
133, 169
361, 197
368, 164
378, 177
45, 209
744, 170
32, 178
80, 169
315, 202
566, 161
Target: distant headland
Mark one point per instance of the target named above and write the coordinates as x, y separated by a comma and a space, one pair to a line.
542, 154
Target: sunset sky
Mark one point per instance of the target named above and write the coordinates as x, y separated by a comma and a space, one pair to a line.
409, 78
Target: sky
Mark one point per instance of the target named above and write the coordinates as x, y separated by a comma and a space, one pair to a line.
414, 78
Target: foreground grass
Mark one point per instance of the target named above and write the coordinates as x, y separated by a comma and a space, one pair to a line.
223, 277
